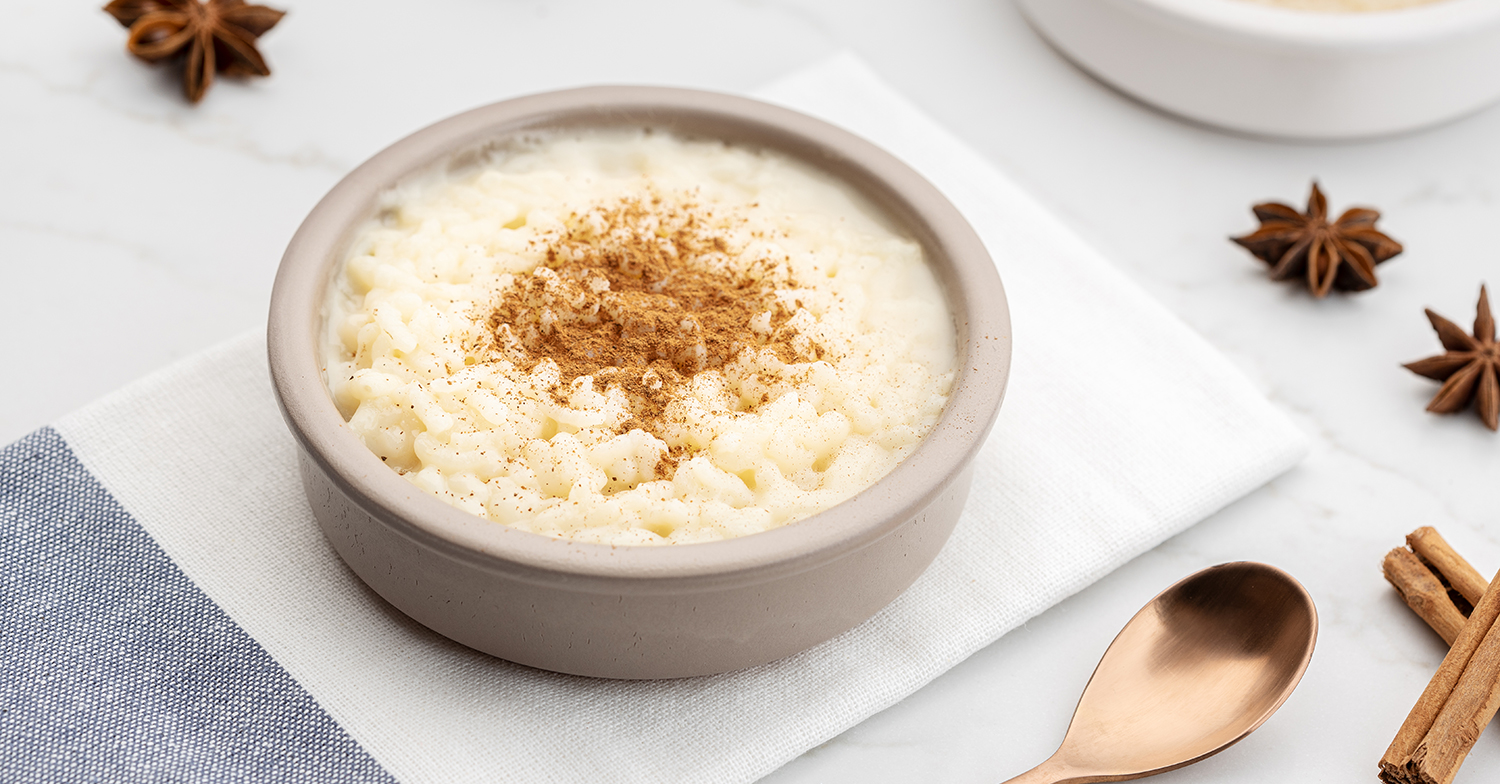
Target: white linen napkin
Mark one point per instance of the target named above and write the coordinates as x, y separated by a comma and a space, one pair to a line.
1121, 428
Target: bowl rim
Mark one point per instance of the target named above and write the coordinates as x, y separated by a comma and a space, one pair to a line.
975, 295
1250, 20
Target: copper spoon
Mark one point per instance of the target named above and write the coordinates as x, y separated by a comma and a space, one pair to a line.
1196, 670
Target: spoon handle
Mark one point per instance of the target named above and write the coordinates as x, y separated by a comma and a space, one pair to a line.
1049, 772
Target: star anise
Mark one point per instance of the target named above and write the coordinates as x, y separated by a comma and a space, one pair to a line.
218, 35
1341, 254
1470, 369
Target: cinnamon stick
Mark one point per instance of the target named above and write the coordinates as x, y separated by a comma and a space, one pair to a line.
1423, 592
1441, 757
1430, 546
1463, 718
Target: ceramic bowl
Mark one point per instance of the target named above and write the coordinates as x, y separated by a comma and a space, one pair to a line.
1270, 70
639, 612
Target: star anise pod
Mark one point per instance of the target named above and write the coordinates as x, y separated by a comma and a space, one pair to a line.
1341, 254
1470, 369
218, 35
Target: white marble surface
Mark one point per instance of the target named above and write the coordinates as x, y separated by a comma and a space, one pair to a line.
137, 230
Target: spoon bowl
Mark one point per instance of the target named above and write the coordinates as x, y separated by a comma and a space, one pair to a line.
1196, 670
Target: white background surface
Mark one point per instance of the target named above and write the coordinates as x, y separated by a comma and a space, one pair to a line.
137, 230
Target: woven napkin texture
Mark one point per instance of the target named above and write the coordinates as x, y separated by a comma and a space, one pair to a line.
169, 610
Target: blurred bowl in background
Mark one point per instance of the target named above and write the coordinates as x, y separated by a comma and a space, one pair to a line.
1274, 71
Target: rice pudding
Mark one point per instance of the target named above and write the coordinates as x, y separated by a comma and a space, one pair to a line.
628, 337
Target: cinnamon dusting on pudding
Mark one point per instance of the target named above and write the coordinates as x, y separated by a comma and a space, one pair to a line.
643, 294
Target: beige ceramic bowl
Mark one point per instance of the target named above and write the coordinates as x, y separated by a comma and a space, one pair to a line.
639, 612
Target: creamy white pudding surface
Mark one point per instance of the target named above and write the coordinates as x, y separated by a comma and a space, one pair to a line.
633, 338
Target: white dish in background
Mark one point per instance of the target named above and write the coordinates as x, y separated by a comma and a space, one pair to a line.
1274, 71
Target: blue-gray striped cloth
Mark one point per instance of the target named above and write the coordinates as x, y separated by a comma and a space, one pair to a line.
115, 667
169, 611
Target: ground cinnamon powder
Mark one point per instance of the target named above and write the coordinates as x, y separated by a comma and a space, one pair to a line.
643, 294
